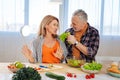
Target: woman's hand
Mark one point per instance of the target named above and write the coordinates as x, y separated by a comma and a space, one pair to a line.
59, 53
27, 52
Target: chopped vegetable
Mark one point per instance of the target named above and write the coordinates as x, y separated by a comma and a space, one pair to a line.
75, 62
93, 66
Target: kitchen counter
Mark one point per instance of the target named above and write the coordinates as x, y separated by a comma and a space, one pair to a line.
6, 74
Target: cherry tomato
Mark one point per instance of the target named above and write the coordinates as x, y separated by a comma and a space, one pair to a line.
75, 76
92, 75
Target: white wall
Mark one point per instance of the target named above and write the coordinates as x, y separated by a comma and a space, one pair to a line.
109, 49
109, 46
11, 44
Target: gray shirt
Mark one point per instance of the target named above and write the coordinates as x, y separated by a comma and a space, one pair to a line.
37, 49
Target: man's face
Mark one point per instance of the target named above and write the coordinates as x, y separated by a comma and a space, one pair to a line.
77, 24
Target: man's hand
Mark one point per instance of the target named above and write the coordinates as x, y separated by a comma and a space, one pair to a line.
71, 39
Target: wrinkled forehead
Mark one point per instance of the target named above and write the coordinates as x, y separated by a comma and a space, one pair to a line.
75, 19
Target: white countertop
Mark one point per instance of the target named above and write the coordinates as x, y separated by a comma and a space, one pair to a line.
5, 74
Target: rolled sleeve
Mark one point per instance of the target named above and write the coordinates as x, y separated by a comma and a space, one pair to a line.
93, 45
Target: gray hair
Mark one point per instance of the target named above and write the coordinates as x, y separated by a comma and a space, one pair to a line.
82, 14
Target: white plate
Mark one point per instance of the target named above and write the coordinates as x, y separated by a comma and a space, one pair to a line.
113, 74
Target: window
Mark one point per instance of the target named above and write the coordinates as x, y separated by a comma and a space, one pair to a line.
16, 13
102, 14
111, 20
11, 14
40, 8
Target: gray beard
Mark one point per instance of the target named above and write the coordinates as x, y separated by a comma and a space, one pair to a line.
76, 30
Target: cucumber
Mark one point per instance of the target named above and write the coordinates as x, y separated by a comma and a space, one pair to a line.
54, 76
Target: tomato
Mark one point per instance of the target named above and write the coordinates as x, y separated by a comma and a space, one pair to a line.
71, 75
75, 76
92, 75
37, 68
9, 66
87, 77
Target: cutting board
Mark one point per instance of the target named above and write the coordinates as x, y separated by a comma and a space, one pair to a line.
54, 67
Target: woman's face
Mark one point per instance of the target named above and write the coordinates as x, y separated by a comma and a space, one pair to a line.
52, 27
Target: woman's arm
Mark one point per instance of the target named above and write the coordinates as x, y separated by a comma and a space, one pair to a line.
28, 53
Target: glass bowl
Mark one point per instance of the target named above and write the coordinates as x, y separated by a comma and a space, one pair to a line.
75, 62
93, 67
13, 68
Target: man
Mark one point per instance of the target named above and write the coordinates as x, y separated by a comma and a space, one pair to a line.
83, 43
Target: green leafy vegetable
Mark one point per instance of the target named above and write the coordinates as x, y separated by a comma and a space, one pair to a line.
26, 73
75, 62
64, 35
93, 66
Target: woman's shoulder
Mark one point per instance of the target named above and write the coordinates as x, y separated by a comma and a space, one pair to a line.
60, 41
37, 39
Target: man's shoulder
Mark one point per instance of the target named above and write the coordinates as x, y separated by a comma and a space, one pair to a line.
69, 30
93, 29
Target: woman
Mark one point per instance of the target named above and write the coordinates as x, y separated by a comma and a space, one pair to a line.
47, 48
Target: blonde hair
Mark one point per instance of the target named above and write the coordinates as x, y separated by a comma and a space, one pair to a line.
46, 21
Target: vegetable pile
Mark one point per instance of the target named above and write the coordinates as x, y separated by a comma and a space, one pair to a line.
14, 67
64, 35
26, 73
93, 66
75, 62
